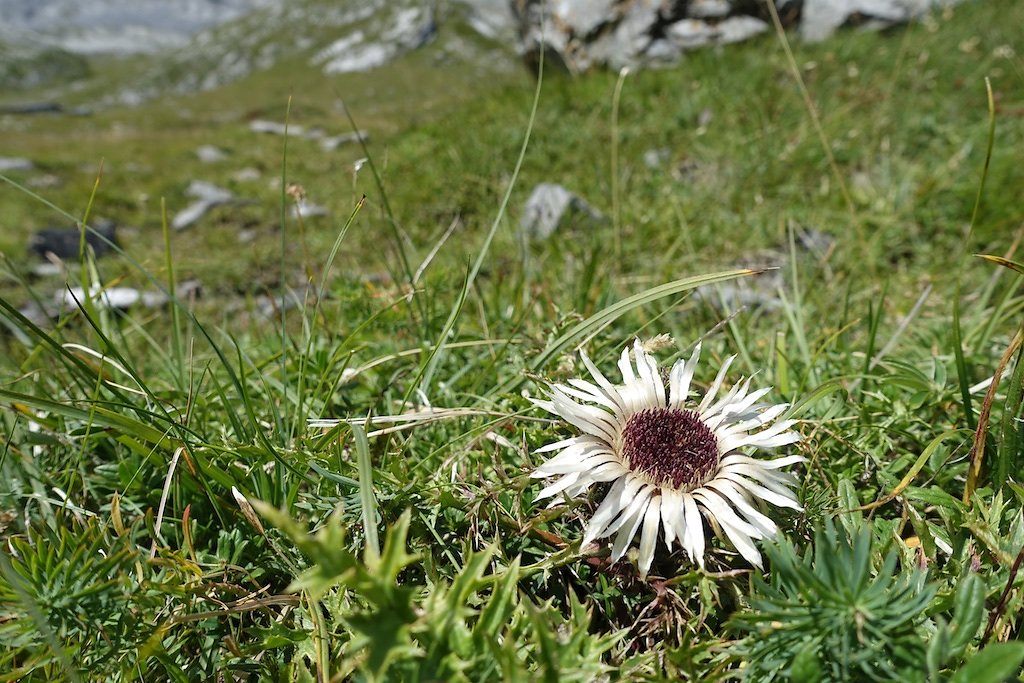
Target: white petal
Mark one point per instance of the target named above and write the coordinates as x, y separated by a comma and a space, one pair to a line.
576, 453
564, 443
607, 472
640, 499
682, 374
617, 499
649, 535
739, 406
736, 529
650, 380
693, 530
736, 496
585, 394
732, 409
587, 419
776, 480
739, 458
557, 487
580, 464
716, 385
714, 410
723, 512
546, 405
604, 473
602, 381
775, 498
628, 531
626, 368
773, 480
671, 515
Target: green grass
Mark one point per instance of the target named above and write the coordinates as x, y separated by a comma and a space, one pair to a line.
384, 550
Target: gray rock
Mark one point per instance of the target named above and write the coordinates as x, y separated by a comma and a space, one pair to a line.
305, 209
627, 42
48, 269
46, 181
739, 28
490, 18
329, 144
110, 297
210, 154
708, 9
814, 241
581, 34
691, 33
123, 298
65, 243
549, 206
204, 191
8, 164
207, 196
410, 28
656, 158
275, 128
117, 26
246, 175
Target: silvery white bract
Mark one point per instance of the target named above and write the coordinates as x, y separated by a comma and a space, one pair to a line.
670, 462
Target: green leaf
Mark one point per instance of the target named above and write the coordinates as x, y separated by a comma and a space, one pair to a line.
806, 667
547, 654
499, 607
610, 314
968, 611
367, 501
995, 664
938, 652
1004, 262
394, 558
385, 635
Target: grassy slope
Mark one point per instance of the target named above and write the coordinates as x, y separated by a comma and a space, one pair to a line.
906, 118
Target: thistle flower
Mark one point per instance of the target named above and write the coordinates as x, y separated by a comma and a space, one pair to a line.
670, 463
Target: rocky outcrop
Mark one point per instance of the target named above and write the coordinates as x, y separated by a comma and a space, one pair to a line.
581, 34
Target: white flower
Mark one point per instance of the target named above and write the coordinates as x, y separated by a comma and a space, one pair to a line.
670, 463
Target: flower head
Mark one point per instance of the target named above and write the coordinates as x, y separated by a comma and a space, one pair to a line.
670, 463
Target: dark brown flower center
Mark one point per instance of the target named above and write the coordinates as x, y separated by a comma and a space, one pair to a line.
671, 447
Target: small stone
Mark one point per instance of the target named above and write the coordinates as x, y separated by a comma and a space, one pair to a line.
304, 209
8, 164
329, 144
656, 158
46, 181
708, 9
691, 33
111, 297
275, 128
210, 154
200, 189
207, 197
247, 235
739, 28
549, 206
65, 243
819, 19
246, 175
47, 269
